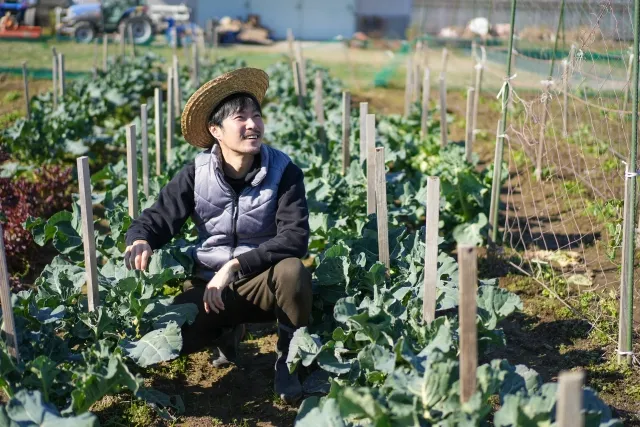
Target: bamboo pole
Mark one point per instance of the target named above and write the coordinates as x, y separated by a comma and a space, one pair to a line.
364, 110
569, 403
426, 88
431, 249
628, 88
445, 60
371, 165
468, 143
88, 235
132, 41
54, 74
443, 111
495, 184
467, 261
346, 131
61, 79
132, 171
96, 50
170, 114
408, 87
158, 129
625, 344
381, 208
565, 98
8, 322
25, 83
543, 125
144, 148
506, 95
174, 41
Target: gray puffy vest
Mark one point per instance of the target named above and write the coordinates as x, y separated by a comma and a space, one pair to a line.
230, 224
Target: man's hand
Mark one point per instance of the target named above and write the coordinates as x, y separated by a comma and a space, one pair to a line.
213, 294
137, 255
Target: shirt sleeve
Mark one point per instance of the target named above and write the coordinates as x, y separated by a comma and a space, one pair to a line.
159, 223
292, 222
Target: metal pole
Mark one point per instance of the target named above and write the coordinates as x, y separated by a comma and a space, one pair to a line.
506, 89
25, 80
625, 338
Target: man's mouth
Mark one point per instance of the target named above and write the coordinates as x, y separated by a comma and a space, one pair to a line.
252, 136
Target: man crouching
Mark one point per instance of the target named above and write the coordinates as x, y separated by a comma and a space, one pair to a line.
248, 203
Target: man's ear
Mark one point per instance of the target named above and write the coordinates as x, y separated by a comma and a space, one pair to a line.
215, 131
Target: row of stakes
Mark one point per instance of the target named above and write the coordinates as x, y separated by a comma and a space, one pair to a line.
570, 383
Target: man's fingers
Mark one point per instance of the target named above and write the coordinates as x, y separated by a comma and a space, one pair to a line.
127, 254
206, 307
217, 299
145, 259
208, 299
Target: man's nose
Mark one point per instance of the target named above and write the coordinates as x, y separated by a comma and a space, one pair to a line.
250, 123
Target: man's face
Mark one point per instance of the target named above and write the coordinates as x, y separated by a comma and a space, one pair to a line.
241, 132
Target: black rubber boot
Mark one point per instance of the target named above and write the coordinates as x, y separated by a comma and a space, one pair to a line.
227, 346
286, 385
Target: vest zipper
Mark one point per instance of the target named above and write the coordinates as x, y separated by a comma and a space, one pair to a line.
236, 209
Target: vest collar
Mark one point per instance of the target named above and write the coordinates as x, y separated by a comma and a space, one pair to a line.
216, 158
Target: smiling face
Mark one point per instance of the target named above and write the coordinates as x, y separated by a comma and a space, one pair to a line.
237, 124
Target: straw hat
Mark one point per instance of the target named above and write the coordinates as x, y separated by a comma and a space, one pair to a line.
196, 114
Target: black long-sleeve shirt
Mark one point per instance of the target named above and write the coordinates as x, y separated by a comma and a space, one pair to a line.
159, 223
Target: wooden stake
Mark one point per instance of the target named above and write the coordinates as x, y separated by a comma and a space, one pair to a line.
144, 148
467, 261
381, 207
495, 183
543, 125
132, 41
346, 131
426, 88
565, 98
318, 95
185, 53
158, 129
371, 165
408, 89
416, 85
445, 60
302, 65
177, 94
297, 82
476, 98
61, 79
174, 40
443, 111
569, 406
88, 236
96, 50
624, 350
54, 74
628, 86
468, 143
364, 110
25, 83
290, 44
132, 171
431, 250
170, 113
215, 43
105, 47
8, 323
196, 66
122, 51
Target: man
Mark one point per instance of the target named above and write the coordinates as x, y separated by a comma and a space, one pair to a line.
249, 206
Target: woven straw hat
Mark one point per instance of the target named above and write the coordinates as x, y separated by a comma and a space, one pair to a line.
196, 114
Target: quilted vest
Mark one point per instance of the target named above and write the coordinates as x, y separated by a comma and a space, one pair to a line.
230, 224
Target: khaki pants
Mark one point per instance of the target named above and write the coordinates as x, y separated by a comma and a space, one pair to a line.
282, 293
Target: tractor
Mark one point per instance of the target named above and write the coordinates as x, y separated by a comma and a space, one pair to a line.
86, 21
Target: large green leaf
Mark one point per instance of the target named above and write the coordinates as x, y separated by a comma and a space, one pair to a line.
27, 408
157, 346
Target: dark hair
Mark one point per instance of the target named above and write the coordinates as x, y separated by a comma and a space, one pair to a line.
233, 104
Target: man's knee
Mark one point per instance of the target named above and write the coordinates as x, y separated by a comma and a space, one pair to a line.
292, 278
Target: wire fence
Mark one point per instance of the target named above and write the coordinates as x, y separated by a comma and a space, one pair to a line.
568, 149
